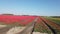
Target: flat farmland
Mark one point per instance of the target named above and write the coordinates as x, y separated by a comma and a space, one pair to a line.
41, 24
56, 18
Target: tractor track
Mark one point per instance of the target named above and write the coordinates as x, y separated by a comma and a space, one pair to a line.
50, 25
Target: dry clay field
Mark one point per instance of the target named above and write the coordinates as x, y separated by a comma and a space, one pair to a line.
16, 24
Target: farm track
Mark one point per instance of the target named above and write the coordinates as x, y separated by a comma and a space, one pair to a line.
30, 28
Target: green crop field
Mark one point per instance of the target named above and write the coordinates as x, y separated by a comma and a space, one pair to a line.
55, 20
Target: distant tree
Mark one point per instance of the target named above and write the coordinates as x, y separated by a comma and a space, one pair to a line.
7, 14
55, 16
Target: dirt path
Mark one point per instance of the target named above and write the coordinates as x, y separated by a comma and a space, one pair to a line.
4, 30
15, 30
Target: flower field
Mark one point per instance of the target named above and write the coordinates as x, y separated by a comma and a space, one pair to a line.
42, 24
22, 20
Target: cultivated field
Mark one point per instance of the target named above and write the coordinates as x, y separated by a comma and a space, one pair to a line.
15, 24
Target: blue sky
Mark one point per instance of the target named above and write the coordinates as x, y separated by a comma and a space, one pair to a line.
30, 7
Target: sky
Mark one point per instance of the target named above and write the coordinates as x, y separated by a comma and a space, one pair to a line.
30, 7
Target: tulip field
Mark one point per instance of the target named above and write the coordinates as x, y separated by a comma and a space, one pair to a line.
43, 24
22, 20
